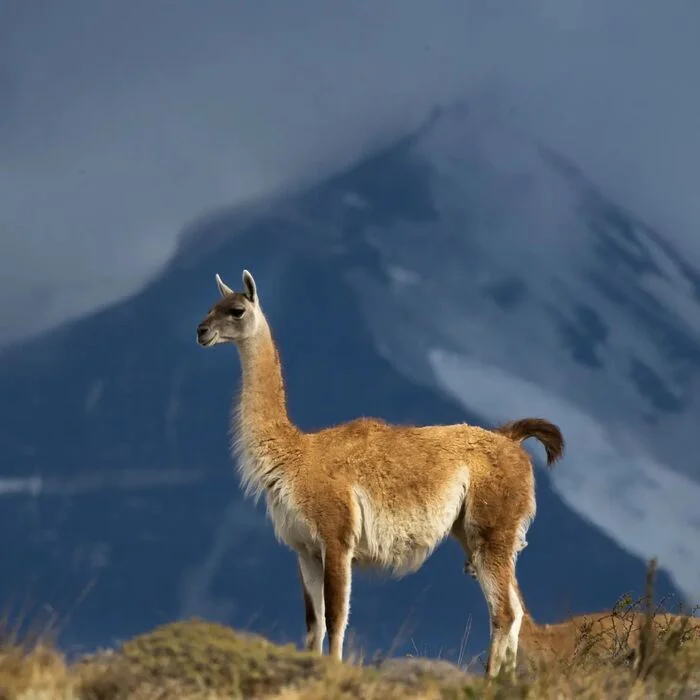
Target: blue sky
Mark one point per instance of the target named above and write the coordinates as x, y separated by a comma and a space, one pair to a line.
121, 122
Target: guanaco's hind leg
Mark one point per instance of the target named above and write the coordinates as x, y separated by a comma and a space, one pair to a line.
469, 568
491, 560
495, 571
311, 573
309, 614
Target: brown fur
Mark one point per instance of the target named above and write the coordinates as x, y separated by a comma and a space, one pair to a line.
549, 435
373, 493
608, 635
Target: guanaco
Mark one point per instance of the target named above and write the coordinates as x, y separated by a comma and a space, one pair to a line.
613, 635
608, 635
370, 493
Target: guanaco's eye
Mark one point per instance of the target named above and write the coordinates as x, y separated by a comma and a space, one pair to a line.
236, 311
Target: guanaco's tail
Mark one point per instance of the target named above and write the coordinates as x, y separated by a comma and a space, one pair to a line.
543, 430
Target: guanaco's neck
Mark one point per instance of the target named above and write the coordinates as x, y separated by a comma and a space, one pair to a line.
262, 409
528, 627
545, 640
530, 631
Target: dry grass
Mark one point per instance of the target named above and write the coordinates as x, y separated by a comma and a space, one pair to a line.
196, 659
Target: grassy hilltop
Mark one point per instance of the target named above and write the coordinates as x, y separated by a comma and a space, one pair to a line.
198, 659
193, 659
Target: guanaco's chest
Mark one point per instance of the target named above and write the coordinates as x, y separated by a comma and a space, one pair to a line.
289, 524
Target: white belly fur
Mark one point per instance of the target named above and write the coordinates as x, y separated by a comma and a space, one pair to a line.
403, 541
399, 541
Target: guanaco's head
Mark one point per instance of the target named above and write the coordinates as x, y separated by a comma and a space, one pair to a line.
235, 317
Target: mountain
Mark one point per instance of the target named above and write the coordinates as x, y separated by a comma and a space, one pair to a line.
463, 273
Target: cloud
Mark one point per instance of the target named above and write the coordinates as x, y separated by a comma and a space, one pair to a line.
506, 330
123, 122
122, 480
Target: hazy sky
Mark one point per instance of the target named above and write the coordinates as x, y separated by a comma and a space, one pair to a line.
122, 121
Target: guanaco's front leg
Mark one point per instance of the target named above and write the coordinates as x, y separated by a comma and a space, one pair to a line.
337, 581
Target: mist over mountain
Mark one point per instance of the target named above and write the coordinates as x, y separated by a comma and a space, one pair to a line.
465, 273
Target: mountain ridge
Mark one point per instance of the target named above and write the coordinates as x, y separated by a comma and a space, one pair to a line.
126, 388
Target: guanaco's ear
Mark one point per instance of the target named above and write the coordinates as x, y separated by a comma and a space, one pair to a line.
249, 286
224, 289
